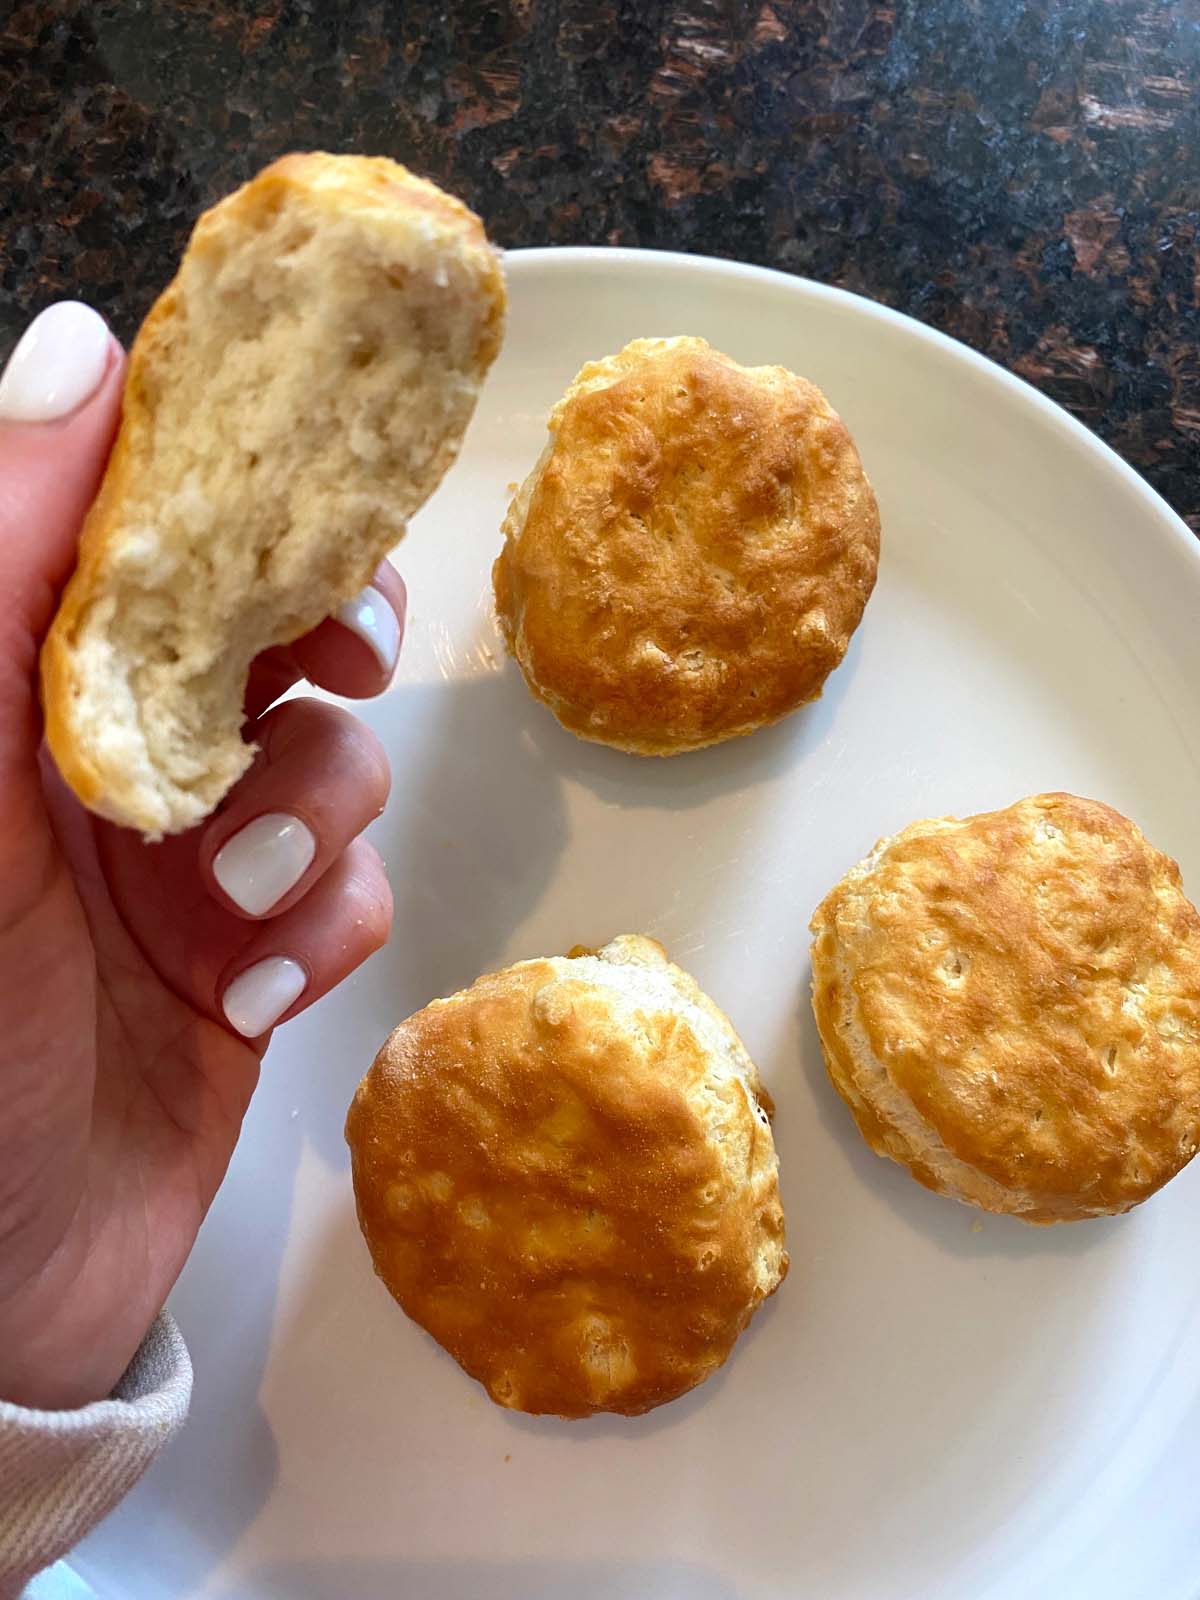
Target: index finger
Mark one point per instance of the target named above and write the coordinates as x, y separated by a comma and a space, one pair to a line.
352, 653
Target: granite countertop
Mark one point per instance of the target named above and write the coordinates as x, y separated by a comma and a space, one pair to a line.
1024, 174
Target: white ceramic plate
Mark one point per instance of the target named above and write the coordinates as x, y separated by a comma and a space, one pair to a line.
936, 1404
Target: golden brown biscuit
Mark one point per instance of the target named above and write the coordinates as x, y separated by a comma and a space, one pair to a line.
566, 1174
1010, 1006
689, 557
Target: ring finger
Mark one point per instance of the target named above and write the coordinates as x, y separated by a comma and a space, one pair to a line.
320, 778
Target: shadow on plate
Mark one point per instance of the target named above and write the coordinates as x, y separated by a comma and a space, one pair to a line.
371, 1331
946, 1221
472, 837
681, 782
470, 1580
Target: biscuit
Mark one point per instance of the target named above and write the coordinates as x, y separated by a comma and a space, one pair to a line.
688, 559
294, 395
566, 1174
1010, 1006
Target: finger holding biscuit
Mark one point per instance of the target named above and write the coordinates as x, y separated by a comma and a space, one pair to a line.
353, 653
278, 894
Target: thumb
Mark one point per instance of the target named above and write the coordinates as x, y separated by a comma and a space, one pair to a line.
60, 397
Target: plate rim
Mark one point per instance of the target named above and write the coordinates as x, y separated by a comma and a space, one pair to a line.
633, 258
1051, 418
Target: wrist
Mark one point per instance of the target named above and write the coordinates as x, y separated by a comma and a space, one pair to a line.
55, 1355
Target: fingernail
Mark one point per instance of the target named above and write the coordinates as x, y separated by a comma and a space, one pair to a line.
373, 620
59, 362
263, 860
258, 997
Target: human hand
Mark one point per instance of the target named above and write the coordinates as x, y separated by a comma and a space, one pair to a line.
139, 983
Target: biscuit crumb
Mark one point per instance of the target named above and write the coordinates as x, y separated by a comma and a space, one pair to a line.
508, 1458
977, 1226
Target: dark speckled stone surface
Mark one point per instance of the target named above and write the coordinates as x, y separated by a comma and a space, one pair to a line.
1024, 174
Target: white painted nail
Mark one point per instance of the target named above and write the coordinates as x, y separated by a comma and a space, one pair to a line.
263, 860
373, 620
258, 997
58, 363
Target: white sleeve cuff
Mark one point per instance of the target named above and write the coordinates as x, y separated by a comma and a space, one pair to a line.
62, 1471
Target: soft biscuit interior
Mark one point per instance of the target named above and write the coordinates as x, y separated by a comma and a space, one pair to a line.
306, 376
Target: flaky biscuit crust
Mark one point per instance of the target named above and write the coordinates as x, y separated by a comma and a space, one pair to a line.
1010, 1005
562, 1194
690, 556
